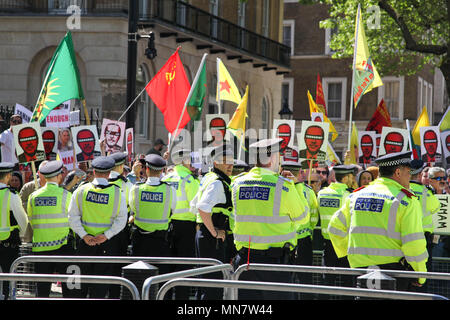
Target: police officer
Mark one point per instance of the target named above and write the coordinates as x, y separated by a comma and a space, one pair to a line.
214, 208
97, 213
330, 199
430, 206
151, 204
268, 212
116, 177
304, 250
182, 222
381, 224
239, 167
13, 222
48, 213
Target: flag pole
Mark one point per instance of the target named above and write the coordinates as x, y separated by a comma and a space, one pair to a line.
410, 138
194, 83
218, 86
131, 104
353, 76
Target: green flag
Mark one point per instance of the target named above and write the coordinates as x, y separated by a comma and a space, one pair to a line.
62, 81
197, 94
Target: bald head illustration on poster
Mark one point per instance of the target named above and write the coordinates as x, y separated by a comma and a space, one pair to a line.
284, 129
50, 139
313, 142
430, 144
216, 128
393, 140
445, 139
85, 140
367, 147
28, 142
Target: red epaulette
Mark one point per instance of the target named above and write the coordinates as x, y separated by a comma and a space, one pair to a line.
360, 188
408, 193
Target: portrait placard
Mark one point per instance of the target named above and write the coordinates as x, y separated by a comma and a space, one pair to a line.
113, 133
284, 129
445, 139
216, 128
393, 140
86, 143
430, 144
129, 143
367, 147
28, 142
313, 142
50, 139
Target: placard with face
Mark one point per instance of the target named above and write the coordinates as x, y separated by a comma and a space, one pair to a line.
393, 140
28, 142
312, 142
445, 138
317, 116
284, 129
430, 144
112, 133
50, 139
129, 143
367, 147
216, 128
86, 143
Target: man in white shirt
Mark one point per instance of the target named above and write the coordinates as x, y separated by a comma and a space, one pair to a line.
97, 213
13, 222
7, 141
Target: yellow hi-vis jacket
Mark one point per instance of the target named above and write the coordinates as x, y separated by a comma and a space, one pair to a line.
429, 203
308, 194
380, 224
267, 209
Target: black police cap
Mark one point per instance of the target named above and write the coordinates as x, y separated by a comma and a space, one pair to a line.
398, 159
52, 168
6, 167
155, 162
103, 164
344, 168
119, 157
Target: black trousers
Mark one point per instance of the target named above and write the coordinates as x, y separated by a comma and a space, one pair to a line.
330, 259
210, 247
107, 248
123, 240
8, 254
182, 244
268, 257
304, 257
43, 288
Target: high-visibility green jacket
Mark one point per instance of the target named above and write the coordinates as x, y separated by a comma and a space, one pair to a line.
429, 204
380, 224
312, 206
5, 215
330, 199
267, 209
47, 210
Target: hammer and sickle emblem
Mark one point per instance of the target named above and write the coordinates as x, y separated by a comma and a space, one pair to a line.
171, 75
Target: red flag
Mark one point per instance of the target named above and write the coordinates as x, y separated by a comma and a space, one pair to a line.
169, 89
320, 98
380, 118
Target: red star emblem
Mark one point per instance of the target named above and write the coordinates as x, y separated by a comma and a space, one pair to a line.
224, 86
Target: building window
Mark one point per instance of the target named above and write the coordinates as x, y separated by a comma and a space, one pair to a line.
60, 6
335, 93
392, 93
241, 14
287, 92
288, 34
265, 114
425, 97
265, 18
214, 10
142, 105
329, 32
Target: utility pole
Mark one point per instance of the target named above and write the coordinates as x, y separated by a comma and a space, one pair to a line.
133, 13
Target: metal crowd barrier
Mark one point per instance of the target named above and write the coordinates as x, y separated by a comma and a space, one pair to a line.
288, 287
82, 278
226, 269
104, 259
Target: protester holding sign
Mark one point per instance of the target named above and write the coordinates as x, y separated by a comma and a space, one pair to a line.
7, 140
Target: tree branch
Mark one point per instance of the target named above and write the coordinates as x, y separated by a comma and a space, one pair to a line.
410, 43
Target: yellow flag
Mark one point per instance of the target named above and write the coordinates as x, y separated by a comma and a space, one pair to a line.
331, 155
314, 108
366, 76
226, 88
237, 122
422, 121
353, 159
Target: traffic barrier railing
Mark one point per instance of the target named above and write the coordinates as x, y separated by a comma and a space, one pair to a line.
226, 269
289, 287
104, 259
71, 278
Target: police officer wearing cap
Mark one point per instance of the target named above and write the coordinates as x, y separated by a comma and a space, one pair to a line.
48, 213
381, 224
97, 213
429, 203
183, 221
304, 250
116, 177
13, 222
151, 205
215, 210
268, 212
330, 199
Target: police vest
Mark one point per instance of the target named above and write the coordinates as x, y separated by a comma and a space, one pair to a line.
429, 203
151, 205
99, 206
380, 224
311, 205
221, 213
7, 222
48, 209
121, 182
330, 199
260, 221
182, 181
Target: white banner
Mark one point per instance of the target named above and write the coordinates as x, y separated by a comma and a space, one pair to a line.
67, 158
23, 112
441, 219
60, 116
